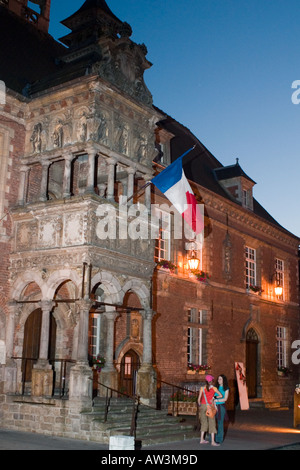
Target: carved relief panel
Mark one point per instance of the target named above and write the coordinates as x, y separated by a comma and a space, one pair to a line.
104, 118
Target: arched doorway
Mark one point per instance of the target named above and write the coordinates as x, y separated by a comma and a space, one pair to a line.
130, 364
31, 343
252, 362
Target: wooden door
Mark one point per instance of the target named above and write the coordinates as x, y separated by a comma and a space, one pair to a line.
130, 364
31, 344
252, 362
32, 338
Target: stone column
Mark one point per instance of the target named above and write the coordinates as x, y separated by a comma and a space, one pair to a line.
81, 383
83, 335
147, 179
44, 181
91, 175
67, 176
111, 180
146, 376
24, 171
42, 372
10, 374
109, 375
46, 307
130, 185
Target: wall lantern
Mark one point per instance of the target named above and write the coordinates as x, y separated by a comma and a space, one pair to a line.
278, 287
193, 263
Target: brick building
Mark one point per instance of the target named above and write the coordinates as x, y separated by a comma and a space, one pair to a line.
79, 139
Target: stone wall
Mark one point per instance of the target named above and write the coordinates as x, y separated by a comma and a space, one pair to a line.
48, 416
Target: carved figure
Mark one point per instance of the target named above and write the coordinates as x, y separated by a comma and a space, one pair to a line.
58, 135
36, 138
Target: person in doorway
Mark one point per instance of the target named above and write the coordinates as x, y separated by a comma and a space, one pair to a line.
206, 399
222, 386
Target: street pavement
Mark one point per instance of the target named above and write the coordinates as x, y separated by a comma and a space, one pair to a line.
255, 429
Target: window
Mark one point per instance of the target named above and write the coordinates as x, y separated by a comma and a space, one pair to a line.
250, 267
281, 347
163, 241
94, 335
196, 339
279, 268
245, 198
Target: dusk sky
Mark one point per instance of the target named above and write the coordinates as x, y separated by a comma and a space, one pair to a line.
225, 69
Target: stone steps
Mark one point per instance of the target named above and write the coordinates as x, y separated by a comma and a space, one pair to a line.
153, 426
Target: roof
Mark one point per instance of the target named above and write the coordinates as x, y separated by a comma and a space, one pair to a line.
89, 5
201, 167
26, 54
231, 171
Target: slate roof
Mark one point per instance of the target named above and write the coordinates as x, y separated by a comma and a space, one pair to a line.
26, 54
231, 171
91, 4
201, 166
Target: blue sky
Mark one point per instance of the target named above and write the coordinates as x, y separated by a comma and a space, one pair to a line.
224, 69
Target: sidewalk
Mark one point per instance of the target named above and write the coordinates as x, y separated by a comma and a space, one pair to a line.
255, 429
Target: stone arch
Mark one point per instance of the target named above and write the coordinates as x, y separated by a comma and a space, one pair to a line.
111, 286
256, 327
126, 346
23, 281
134, 342
57, 278
140, 289
24, 312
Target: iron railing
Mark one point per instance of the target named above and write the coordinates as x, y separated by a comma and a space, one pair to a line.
60, 375
135, 399
175, 398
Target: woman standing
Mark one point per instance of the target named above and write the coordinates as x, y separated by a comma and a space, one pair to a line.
205, 399
223, 388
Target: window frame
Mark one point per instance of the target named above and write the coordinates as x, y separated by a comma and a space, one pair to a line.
279, 270
281, 346
94, 339
251, 266
162, 249
195, 338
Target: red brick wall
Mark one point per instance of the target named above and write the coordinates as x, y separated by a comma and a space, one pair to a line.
232, 311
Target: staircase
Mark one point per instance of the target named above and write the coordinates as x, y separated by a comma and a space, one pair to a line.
255, 403
152, 426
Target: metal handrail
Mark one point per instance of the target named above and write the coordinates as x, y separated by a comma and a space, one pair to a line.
135, 408
192, 392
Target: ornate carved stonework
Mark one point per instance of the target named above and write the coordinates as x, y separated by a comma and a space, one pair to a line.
123, 65
100, 116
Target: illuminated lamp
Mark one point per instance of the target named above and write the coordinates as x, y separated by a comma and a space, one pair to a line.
193, 263
278, 290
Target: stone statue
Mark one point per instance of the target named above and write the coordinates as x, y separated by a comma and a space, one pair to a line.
36, 138
58, 135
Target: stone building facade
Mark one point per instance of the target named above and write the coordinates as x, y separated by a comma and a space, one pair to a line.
79, 141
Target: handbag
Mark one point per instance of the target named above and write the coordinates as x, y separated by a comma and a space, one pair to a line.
211, 409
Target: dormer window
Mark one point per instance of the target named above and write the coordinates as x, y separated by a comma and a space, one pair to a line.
163, 138
236, 183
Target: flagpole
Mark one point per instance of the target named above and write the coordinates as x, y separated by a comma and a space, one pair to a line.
149, 182
139, 191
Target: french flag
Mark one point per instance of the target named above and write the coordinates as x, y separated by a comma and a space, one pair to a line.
173, 183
